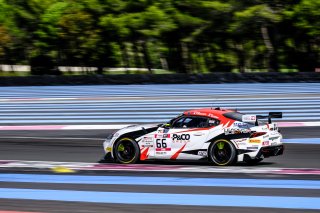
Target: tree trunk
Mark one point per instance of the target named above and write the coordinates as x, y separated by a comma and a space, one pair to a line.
241, 58
207, 58
137, 58
271, 56
146, 56
125, 56
185, 58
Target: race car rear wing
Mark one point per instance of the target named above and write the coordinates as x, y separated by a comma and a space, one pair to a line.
254, 118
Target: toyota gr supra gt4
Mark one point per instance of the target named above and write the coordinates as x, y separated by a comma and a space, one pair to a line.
221, 136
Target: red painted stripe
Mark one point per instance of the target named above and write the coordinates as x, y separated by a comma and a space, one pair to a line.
163, 149
144, 155
177, 153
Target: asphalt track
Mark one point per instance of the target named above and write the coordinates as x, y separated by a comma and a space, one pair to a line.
62, 190
86, 146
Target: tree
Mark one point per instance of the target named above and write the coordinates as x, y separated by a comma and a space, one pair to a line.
11, 37
256, 23
304, 42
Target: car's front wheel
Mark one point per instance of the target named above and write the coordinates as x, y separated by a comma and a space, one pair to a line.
126, 150
222, 153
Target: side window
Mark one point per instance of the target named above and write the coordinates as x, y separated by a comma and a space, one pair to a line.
213, 122
191, 122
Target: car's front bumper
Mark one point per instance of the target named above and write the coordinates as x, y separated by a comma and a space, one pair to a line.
107, 146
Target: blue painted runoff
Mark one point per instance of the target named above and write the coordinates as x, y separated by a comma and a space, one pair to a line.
163, 198
302, 140
162, 181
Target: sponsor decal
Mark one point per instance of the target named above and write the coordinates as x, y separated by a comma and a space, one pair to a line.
146, 145
203, 153
249, 118
241, 125
240, 142
265, 143
163, 130
255, 141
162, 135
273, 143
253, 147
163, 149
162, 145
147, 139
146, 142
212, 115
200, 113
232, 131
274, 138
109, 149
180, 138
161, 153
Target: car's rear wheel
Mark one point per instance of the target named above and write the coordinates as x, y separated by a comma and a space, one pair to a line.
126, 150
222, 153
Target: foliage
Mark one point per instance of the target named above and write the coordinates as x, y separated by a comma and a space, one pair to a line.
190, 36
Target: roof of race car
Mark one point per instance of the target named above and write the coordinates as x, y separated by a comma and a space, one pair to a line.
208, 112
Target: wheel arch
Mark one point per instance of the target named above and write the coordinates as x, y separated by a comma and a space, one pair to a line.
133, 135
227, 137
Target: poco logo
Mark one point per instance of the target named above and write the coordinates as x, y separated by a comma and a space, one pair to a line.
181, 137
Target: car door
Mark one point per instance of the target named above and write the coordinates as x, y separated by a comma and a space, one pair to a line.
186, 134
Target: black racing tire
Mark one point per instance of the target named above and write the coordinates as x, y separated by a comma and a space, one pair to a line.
107, 158
252, 162
126, 151
222, 153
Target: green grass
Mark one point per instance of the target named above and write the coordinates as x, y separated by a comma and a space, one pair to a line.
14, 74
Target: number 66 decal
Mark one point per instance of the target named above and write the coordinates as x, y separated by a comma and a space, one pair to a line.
161, 143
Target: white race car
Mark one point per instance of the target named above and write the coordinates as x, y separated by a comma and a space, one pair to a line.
221, 136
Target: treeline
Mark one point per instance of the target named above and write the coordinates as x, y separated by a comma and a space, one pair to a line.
186, 36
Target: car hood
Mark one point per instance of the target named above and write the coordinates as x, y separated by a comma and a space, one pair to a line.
133, 128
